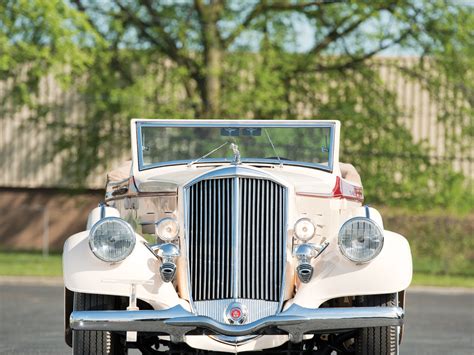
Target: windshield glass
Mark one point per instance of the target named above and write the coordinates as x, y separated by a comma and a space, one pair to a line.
160, 145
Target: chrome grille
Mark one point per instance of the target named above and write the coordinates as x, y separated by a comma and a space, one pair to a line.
210, 239
236, 239
262, 239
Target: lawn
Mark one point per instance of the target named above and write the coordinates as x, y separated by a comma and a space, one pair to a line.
420, 279
34, 264
29, 264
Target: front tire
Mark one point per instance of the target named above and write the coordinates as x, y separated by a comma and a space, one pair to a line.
379, 340
95, 342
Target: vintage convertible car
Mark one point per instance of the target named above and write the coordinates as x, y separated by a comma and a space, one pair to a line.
235, 236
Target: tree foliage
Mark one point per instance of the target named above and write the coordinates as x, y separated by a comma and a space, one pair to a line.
249, 59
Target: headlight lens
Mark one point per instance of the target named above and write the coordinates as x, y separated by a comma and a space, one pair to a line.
360, 239
112, 239
167, 229
304, 229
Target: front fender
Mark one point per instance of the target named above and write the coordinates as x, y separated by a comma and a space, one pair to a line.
84, 272
335, 276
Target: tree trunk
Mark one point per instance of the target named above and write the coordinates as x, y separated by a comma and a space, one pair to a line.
209, 82
212, 58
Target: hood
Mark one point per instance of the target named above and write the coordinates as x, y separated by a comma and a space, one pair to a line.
302, 179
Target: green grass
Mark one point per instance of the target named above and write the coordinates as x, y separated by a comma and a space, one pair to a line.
34, 264
420, 279
29, 264
432, 266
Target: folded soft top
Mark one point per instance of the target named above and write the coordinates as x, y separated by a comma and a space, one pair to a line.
123, 172
349, 172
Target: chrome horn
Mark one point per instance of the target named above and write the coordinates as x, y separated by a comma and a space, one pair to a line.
304, 253
168, 253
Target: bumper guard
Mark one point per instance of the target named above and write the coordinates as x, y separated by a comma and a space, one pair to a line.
295, 321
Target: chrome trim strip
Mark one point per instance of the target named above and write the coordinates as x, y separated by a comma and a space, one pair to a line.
296, 321
231, 172
286, 240
235, 238
237, 124
102, 210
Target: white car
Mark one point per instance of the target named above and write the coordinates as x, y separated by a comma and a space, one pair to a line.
235, 236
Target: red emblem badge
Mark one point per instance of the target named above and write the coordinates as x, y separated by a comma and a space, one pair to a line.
235, 313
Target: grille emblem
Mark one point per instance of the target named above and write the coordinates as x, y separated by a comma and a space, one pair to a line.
236, 313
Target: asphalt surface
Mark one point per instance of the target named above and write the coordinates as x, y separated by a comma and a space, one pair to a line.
31, 321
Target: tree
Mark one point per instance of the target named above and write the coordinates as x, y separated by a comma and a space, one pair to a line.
237, 59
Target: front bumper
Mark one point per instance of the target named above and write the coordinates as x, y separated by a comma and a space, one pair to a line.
295, 321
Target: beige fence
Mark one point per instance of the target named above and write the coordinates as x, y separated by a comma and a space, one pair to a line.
25, 148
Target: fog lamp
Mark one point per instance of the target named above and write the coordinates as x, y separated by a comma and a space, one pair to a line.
167, 229
304, 229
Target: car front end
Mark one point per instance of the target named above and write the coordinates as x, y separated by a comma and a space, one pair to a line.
236, 253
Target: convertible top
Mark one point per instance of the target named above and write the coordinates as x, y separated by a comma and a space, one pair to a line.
349, 172
121, 173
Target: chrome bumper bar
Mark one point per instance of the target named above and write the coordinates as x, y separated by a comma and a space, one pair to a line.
295, 321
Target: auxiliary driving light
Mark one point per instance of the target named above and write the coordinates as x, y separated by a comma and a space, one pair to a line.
304, 229
167, 229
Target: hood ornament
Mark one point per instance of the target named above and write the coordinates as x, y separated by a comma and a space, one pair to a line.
235, 149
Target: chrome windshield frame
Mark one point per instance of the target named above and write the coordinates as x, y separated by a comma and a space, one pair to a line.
237, 124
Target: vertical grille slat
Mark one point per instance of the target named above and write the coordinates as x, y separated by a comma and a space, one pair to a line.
218, 241
237, 238
243, 254
271, 226
200, 243
205, 256
267, 244
258, 227
254, 247
229, 258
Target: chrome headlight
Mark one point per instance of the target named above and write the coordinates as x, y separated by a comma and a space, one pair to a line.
360, 239
304, 229
112, 239
167, 229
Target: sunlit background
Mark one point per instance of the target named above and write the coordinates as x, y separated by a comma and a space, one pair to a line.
397, 74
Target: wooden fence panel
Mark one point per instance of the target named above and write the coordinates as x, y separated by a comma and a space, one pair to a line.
26, 151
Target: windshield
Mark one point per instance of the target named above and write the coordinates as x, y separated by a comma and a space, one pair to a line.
160, 145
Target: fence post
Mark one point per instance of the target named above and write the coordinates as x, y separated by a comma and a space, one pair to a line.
45, 231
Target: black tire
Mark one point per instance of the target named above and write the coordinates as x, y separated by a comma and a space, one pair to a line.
380, 340
95, 342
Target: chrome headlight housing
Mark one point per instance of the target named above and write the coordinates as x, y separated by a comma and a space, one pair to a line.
112, 239
360, 239
167, 229
304, 229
